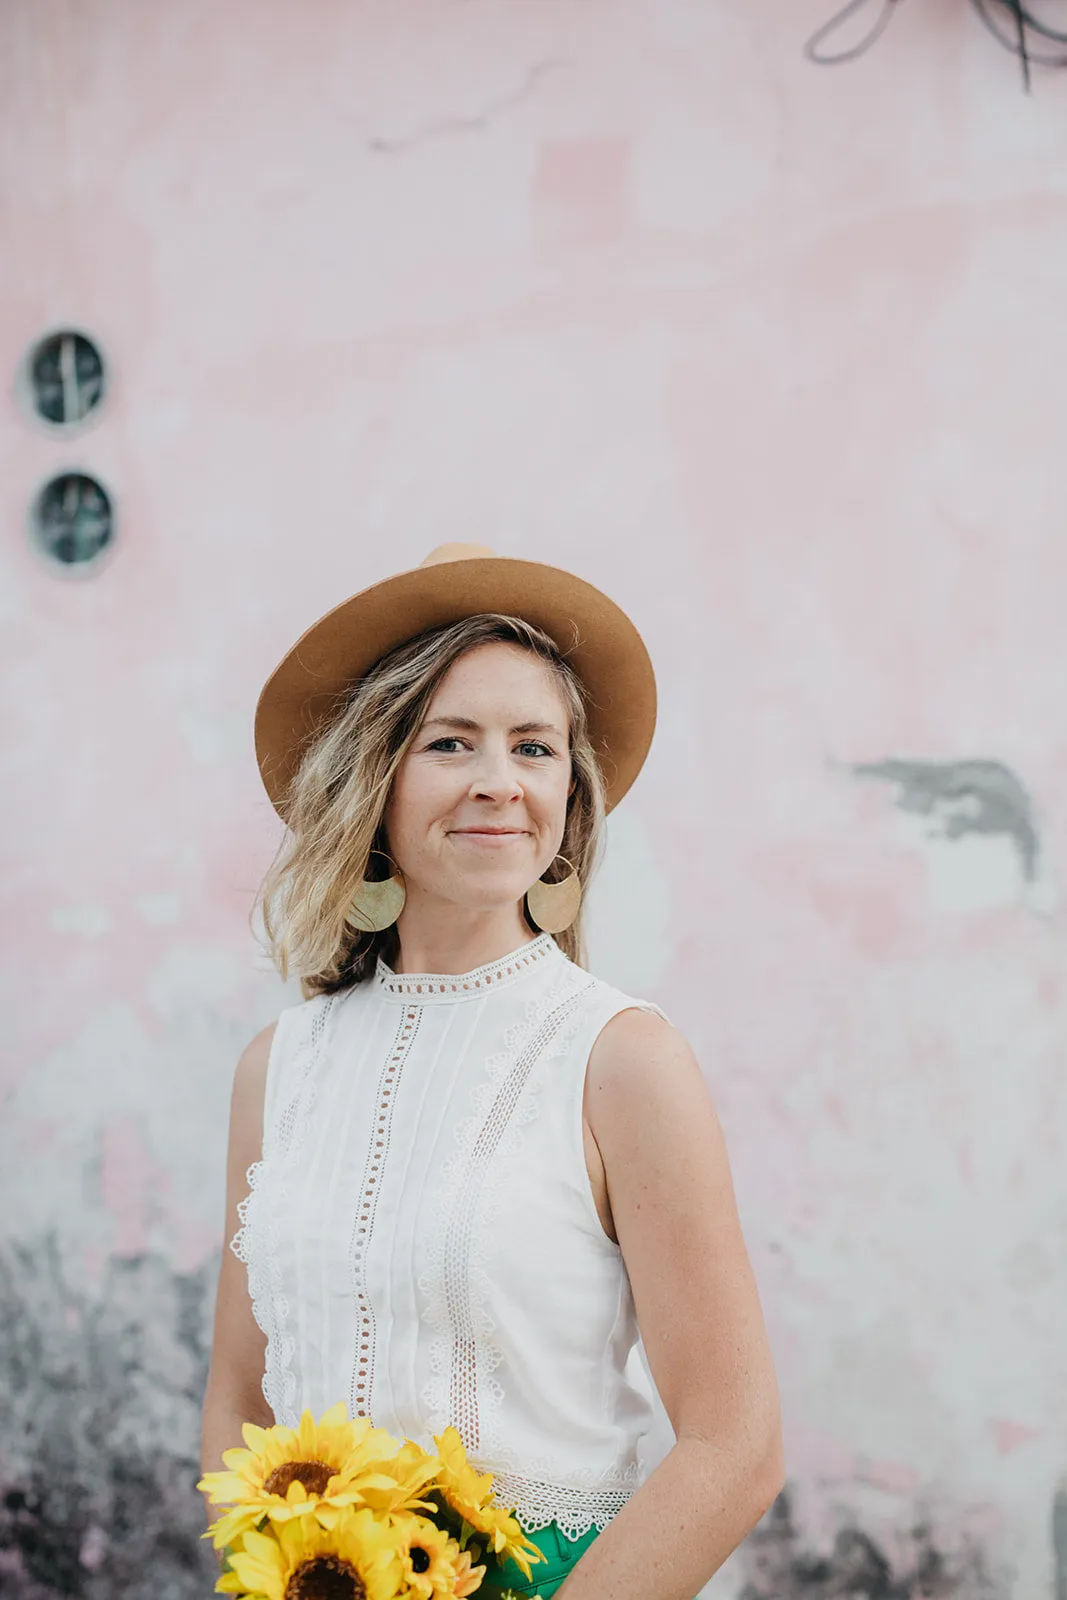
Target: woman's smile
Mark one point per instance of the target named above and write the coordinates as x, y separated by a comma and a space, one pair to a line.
492, 836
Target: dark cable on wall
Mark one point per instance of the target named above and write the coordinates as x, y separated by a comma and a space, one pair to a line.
1009, 21
814, 51
1023, 20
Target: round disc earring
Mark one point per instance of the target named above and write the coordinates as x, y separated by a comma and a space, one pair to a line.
376, 904
554, 906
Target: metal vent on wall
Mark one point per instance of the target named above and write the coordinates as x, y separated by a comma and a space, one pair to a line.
72, 519
66, 379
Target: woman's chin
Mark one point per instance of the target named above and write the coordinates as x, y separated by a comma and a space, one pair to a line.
488, 897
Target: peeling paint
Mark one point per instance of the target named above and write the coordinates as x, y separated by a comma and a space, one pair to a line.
965, 797
98, 1447
1059, 1541
781, 1564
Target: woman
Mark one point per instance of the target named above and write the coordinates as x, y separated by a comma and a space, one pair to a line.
478, 1173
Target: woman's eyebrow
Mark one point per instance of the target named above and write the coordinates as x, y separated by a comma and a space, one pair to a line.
465, 723
468, 725
538, 727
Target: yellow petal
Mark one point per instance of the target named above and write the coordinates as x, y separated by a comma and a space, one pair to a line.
232, 1525
224, 1487
281, 1444
308, 1437
283, 1512
261, 1546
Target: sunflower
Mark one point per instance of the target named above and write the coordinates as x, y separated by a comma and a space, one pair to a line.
429, 1557
469, 1493
356, 1559
286, 1473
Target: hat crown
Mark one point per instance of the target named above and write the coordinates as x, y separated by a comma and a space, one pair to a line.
457, 552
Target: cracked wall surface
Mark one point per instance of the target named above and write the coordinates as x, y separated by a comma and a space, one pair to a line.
775, 355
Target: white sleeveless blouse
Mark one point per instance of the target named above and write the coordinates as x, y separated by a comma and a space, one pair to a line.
421, 1236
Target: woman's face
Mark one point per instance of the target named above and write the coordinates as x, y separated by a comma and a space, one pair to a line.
479, 802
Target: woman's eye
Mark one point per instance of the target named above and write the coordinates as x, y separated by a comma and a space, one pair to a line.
449, 743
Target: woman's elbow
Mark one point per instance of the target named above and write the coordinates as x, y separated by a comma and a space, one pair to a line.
768, 1473
754, 1449
764, 1457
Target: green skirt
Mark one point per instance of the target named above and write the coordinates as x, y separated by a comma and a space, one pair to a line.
546, 1576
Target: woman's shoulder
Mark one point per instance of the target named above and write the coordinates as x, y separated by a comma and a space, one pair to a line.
249, 1091
641, 1066
629, 1029
251, 1070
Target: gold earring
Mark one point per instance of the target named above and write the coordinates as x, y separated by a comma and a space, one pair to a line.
554, 906
376, 905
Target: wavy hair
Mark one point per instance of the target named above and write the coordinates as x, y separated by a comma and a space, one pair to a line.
337, 801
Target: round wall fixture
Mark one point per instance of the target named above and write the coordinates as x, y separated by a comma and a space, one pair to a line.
64, 378
72, 520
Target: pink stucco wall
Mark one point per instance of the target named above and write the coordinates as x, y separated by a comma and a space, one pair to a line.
775, 354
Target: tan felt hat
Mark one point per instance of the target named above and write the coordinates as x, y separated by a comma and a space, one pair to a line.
456, 581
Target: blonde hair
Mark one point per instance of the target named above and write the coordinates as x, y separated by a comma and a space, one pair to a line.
337, 802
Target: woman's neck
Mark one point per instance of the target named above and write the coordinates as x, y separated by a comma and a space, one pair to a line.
451, 940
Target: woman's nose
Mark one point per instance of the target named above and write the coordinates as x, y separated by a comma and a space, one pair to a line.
496, 778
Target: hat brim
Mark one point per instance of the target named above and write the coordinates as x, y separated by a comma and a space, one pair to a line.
606, 651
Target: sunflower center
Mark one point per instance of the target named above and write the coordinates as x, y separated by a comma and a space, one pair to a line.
325, 1578
314, 1475
420, 1561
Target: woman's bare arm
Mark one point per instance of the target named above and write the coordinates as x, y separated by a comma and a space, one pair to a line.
234, 1388
672, 1203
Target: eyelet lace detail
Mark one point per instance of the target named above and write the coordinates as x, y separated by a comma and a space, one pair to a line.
255, 1242
434, 987
361, 1387
462, 1390
589, 1500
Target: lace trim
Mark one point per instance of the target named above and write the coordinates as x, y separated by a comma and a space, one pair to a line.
269, 1305
456, 1284
575, 1507
256, 1241
435, 987
361, 1387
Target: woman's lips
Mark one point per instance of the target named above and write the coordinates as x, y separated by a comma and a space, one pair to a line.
492, 835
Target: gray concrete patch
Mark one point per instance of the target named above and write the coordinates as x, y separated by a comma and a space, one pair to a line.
965, 797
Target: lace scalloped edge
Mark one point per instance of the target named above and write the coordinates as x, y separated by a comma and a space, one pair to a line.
269, 1305
537, 1502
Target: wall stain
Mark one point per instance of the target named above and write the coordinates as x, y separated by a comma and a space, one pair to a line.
100, 1397
983, 797
779, 1565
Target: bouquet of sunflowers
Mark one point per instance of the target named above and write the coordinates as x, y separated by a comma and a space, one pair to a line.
341, 1510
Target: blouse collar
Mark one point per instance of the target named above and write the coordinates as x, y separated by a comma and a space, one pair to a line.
438, 988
